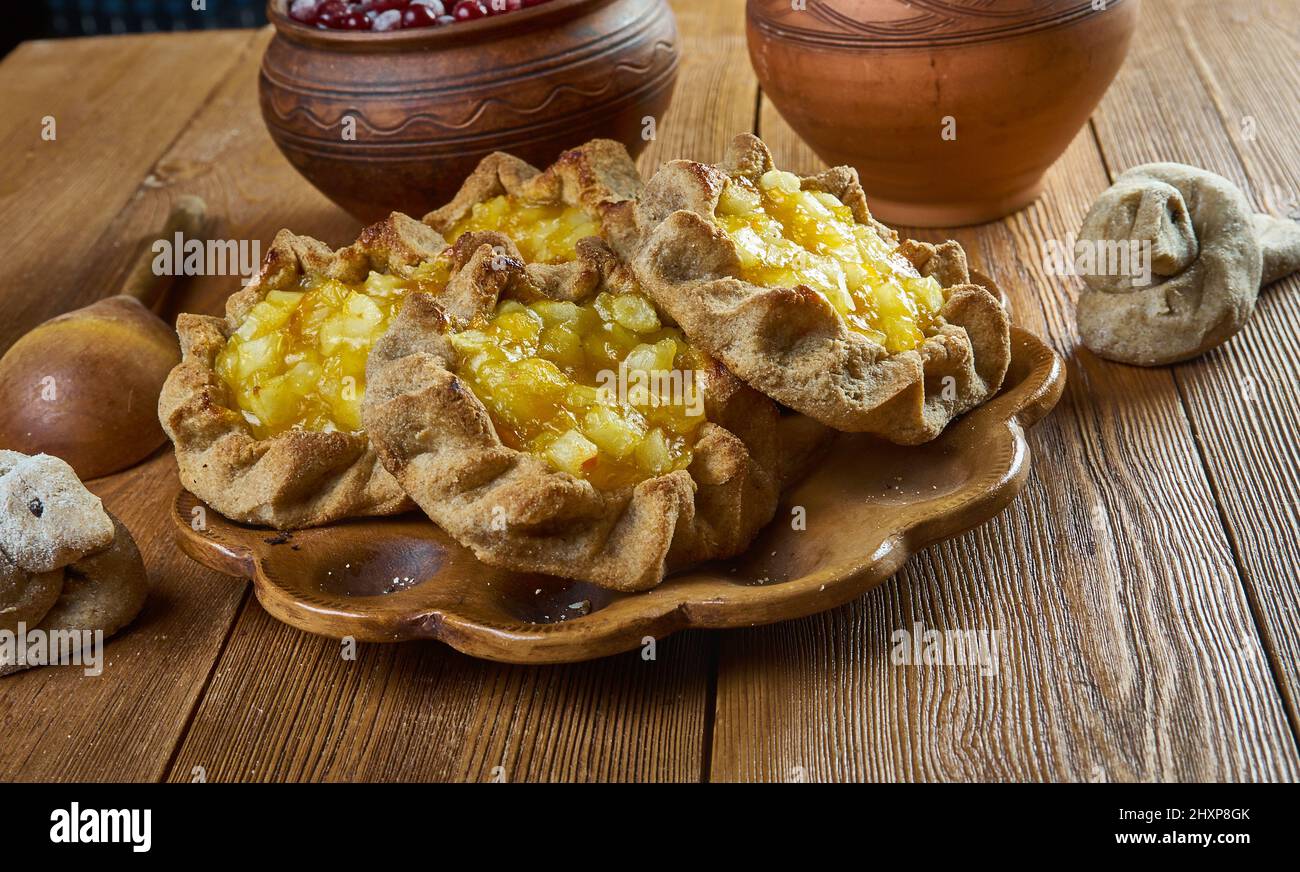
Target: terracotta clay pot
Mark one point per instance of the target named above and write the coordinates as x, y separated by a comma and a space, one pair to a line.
396, 121
951, 110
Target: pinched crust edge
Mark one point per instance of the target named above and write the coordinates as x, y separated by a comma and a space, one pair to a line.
513, 510
790, 343
598, 177
296, 478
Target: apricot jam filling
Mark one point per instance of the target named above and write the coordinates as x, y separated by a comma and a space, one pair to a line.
298, 360
786, 236
543, 232
599, 389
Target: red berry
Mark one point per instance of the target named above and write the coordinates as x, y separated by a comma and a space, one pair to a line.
384, 15
330, 13
419, 16
468, 10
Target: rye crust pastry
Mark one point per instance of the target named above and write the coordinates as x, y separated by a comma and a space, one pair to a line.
599, 178
512, 507
298, 477
788, 340
515, 511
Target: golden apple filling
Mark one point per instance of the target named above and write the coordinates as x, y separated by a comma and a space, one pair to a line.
599, 389
298, 360
786, 236
543, 232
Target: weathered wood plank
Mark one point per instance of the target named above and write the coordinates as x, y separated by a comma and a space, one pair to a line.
1234, 63
716, 90
118, 104
286, 706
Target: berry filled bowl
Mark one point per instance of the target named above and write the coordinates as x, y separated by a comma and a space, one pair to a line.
389, 104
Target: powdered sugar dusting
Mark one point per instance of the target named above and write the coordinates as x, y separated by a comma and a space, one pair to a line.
47, 517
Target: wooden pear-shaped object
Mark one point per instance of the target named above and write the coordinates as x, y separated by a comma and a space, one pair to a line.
84, 385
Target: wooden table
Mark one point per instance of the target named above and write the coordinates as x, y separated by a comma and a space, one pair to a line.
1145, 587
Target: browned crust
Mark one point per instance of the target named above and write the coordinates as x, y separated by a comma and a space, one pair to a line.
514, 511
510, 507
297, 478
789, 343
599, 177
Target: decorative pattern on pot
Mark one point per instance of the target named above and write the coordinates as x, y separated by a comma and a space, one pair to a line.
385, 121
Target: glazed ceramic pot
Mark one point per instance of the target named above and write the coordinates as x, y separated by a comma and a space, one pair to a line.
951, 110
396, 121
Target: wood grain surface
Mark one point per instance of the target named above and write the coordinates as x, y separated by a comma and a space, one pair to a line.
1142, 592
117, 103
1241, 398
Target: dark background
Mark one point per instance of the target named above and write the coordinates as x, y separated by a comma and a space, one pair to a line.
37, 19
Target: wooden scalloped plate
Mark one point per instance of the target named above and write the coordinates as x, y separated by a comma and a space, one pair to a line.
867, 507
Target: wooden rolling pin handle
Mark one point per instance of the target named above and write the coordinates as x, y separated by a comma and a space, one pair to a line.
188, 217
